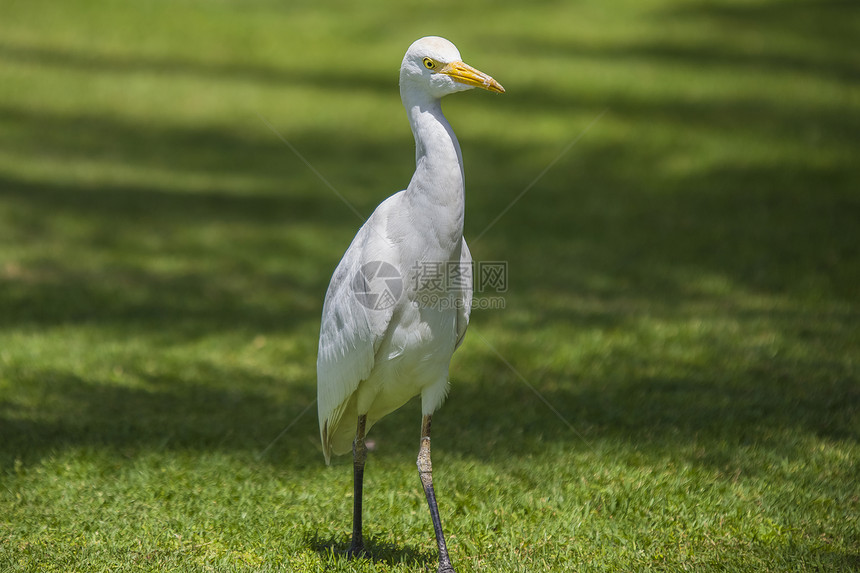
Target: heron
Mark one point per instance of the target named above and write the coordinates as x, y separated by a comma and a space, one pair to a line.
389, 324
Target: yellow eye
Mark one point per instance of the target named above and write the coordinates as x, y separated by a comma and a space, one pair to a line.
429, 64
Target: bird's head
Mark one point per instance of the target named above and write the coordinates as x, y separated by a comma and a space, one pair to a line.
433, 65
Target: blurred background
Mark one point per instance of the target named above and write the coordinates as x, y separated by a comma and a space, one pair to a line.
683, 268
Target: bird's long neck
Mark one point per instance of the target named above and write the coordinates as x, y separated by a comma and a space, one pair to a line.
436, 193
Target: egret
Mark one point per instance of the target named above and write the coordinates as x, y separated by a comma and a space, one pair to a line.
389, 324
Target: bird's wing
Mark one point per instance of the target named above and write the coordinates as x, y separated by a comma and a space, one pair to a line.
351, 328
464, 309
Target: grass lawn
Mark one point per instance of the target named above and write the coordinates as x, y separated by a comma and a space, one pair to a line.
673, 383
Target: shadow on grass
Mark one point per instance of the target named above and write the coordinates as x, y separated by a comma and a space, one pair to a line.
241, 412
814, 38
101, 63
376, 551
775, 412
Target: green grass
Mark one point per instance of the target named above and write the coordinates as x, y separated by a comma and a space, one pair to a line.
683, 285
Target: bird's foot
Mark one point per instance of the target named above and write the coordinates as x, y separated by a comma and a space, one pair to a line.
445, 567
356, 550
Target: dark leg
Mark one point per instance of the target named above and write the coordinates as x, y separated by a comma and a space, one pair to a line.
425, 472
359, 455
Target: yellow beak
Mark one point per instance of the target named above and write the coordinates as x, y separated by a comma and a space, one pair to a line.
466, 74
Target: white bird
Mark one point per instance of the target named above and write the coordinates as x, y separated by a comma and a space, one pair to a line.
398, 303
